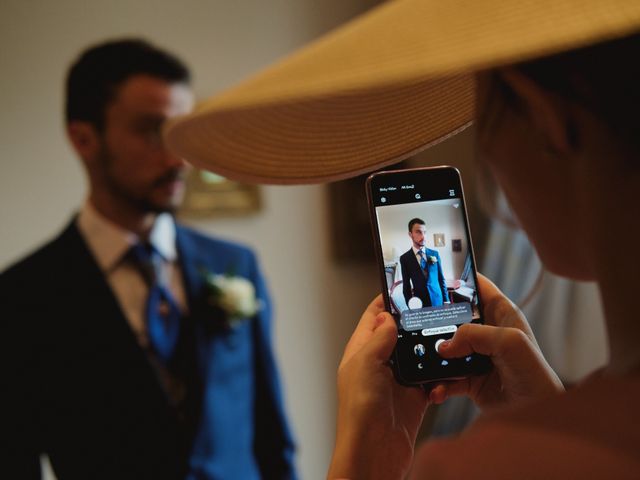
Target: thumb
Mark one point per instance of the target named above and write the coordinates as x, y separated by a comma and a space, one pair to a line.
476, 338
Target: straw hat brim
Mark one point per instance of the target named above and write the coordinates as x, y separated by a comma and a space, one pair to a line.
382, 87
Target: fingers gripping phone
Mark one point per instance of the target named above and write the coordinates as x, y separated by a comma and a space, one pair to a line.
427, 268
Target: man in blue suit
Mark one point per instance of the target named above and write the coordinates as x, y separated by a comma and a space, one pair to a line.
421, 269
123, 357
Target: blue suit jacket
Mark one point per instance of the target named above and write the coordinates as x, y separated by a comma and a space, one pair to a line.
81, 389
430, 286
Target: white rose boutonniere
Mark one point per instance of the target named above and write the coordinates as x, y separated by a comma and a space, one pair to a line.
433, 259
234, 296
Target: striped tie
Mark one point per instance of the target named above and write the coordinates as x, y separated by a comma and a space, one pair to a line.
423, 260
162, 312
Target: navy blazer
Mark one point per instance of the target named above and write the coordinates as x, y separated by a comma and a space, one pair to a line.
79, 387
429, 286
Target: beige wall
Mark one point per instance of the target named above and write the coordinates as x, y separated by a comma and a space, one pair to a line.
440, 217
41, 183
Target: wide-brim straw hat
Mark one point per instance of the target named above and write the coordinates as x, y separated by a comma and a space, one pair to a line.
382, 87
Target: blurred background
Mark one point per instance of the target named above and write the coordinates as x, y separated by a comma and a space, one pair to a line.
320, 294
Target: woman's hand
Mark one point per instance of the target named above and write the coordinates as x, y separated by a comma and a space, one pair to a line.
520, 373
378, 419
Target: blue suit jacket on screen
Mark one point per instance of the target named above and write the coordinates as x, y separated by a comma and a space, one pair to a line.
80, 388
430, 286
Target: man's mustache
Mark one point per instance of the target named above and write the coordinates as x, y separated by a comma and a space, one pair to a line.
170, 177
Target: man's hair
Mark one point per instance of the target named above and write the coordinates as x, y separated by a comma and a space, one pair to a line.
414, 221
94, 78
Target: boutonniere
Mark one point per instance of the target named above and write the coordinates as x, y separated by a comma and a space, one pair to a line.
232, 296
432, 259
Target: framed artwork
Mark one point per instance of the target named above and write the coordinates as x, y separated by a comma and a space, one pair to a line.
210, 195
456, 245
351, 238
438, 239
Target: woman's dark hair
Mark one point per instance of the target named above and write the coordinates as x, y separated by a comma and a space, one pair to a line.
95, 76
603, 78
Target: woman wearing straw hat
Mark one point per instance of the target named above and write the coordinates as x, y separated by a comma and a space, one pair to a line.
555, 84
559, 133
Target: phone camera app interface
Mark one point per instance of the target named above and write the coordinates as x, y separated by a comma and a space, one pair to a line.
428, 267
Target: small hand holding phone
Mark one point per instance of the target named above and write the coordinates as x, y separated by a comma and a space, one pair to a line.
427, 268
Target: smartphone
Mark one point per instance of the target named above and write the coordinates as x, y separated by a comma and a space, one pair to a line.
427, 269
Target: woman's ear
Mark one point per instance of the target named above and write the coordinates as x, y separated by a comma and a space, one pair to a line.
547, 112
85, 141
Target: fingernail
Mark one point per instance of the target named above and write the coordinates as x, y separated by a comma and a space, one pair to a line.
379, 320
444, 344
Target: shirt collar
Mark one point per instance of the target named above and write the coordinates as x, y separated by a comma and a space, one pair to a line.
110, 242
416, 250
163, 237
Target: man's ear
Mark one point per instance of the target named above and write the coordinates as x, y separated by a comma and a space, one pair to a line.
546, 110
85, 140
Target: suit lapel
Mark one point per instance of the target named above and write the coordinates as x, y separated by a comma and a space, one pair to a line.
104, 370
426, 259
98, 325
192, 347
88, 285
193, 266
196, 261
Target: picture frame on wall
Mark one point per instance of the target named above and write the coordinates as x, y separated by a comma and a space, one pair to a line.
209, 195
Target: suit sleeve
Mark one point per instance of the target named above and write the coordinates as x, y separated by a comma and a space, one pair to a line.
442, 281
274, 445
19, 458
406, 279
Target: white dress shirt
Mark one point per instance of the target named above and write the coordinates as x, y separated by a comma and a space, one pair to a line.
109, 245
416, 252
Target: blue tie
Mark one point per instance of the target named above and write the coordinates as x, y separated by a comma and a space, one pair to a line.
423, 261
162, 312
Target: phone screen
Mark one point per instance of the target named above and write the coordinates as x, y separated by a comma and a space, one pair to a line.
428, 268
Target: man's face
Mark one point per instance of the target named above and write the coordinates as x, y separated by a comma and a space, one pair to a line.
418, 234
133, 164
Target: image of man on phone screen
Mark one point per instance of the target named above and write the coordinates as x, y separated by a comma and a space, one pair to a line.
422, 275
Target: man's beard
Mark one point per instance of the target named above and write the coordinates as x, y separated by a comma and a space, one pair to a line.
140, 201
